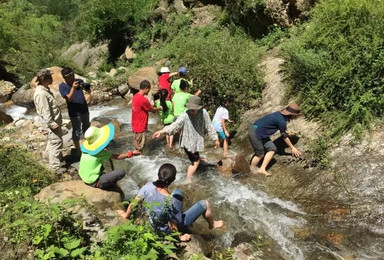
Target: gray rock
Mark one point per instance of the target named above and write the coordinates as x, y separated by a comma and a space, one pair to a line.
146, 73
84, 55
103, 201
129, 54
6, 90
123, 89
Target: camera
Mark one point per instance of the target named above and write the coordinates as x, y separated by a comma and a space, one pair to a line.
85, 86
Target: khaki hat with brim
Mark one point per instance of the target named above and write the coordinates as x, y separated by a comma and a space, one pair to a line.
96, 139
291, 109
194, 103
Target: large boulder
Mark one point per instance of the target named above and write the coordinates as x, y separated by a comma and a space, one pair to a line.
84, 55
4, 118
233, 165
146, 73
105, 202
6, 90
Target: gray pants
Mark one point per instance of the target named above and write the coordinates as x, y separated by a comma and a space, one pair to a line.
108, 179
80, 124
53, 149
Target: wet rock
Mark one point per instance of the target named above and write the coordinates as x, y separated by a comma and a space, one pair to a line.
225, 166
241, 165
4, 118
233, 165
194, 247
244, 251
105, 202
146, 73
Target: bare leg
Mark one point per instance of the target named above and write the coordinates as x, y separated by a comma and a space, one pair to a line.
255, 161
167, 138
170, 141
192, 168
268, 157
225, 147
212, 224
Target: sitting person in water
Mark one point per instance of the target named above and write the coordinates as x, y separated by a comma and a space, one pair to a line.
165, 209
94, 154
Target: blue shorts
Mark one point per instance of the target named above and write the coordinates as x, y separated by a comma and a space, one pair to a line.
222, 134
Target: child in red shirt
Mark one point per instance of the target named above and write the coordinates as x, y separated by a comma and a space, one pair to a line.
164, 82
140, 108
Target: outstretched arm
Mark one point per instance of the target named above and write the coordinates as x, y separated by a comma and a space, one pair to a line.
294, 150
126, 214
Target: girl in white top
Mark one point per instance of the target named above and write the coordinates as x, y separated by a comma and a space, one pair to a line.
219, 119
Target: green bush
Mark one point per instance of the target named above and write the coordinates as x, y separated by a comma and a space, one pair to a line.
334, 64
137, 242
30, 39
50, 230
20, 169
221, 62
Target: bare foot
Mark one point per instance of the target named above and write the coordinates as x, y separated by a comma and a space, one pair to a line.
136, 152
265, 172
217, 224
254, 170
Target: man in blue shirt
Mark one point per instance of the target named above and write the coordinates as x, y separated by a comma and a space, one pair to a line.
263, 128
77, 105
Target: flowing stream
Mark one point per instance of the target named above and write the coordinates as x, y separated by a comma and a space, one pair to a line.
242, 202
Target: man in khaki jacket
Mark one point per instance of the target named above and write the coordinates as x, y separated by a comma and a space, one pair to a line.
48, 109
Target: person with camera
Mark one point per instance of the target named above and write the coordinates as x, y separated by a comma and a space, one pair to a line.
72, 90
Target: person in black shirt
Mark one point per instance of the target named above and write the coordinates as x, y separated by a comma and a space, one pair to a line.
78, 112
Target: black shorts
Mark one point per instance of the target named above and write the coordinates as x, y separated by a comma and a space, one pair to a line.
193, 157
260, 146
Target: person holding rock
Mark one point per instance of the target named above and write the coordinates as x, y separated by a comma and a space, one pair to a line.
47, 108
72, 92
95, 152
193, 124
140, 109
261, 130
165, 209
